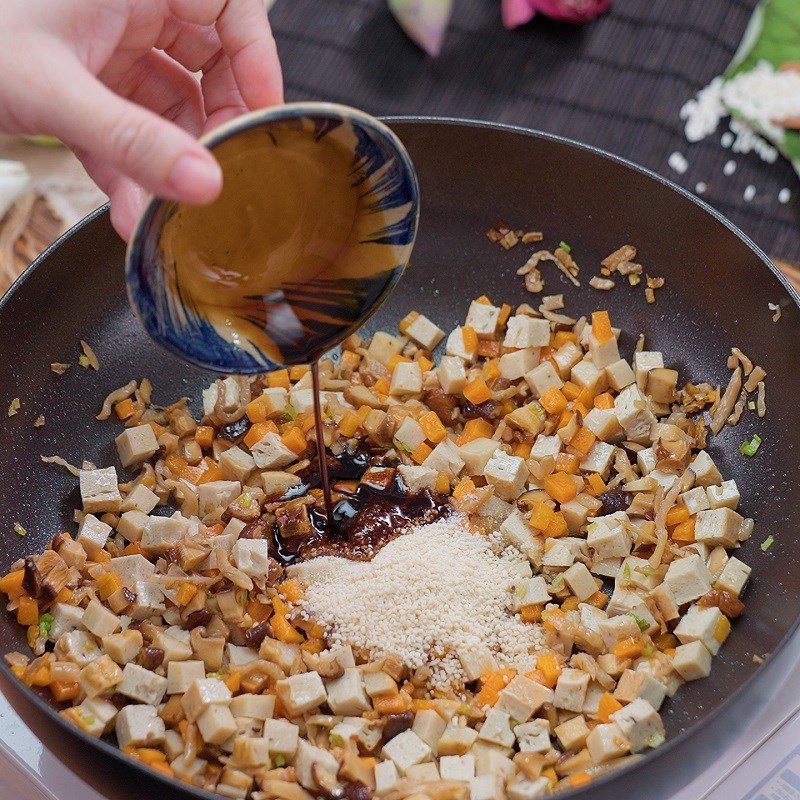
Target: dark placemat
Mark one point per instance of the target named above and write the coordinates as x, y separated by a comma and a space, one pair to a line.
617, 83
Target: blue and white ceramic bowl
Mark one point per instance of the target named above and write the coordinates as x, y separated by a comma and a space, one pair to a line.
293, 322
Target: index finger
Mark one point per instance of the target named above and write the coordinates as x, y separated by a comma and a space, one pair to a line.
246, 38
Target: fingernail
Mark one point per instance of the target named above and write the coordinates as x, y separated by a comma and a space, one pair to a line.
196, 179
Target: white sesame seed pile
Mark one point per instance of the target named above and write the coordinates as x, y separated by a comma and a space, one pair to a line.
424, 595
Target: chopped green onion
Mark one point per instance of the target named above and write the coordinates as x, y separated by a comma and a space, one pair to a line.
463, 709
642, 623
14, 407
565, 247
289, 412
45, 624
626, 571
87, 719
648, 650
246, 500
336, 740
767, 543
19, 530
520, 591
656, 740
404, 447
751, 405
280, 761
751, 448
84, 362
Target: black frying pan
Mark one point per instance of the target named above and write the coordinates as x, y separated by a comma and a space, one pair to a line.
471, 175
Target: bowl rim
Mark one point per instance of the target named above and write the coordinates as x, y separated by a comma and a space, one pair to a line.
580, 793
247, 122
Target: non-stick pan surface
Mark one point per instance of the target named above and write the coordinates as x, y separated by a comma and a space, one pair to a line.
471, 175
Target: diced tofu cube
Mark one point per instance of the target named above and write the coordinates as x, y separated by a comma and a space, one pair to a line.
139, 726
606, 742
283, 654
240, 656
638, 572
251, 556
271, 453
451, 373
705, 470
417, 478
175, 649
100, 491
523, 789
486, 787
617, 628
301, 693
482, 318
587, 375
136, 444
424, 332
523, 697
421, 773
572, 733
646, 460
623, 601
97, 619
517, 363
661, 385
405, 750
604, 424
576, 515
692, 661
253, 706
515, 531
640, 725
603, 353
250, 752
557, 553
216, 724
695, 499
99, 676
445, 458
580, 580
383, 346
283, 737
429, 726
236, 464
638, 684
302, 400
132, 569
132, 525
734, 576
457, 768
346, 695
475, 662
274, 400
530, 591
725, 496
456, 740
508, 474
142, 684
533, 736
386, 776
703, 624
78, 646
542, 378
525, 332
457, 347
496, 728
409, 435
606, 536
215, 494
529, 418
566, 357
546, 447
718, 526
406, 379
378, 684
620, 375
164, 532
571, 689
140, 498
277, 483
231, 395
634, 414
149, 600
182, 674
92, 535
643, 362
688, 578
202, 694
599, 458
124, 646
476, 455
664, 599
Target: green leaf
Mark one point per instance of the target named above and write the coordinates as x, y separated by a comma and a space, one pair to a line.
772, 35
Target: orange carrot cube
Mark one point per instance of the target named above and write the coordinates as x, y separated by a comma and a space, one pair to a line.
583, 441
477, 428
477, 391
432, 427
421, 452
553, 401
560, 487
278, 379
295, 440
204, 436
125, 408
601, 326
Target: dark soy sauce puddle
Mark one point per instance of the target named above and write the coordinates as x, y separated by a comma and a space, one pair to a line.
362, 521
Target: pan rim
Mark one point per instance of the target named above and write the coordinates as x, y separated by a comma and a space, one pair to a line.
581, 793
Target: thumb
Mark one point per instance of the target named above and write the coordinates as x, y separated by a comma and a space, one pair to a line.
149, 150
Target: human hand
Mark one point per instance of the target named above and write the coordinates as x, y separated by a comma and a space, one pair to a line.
113, 80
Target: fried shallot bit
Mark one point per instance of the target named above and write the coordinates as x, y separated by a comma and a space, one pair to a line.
59, 368
604, 284
502, 234
89, 359
529, 237
724, 408
738, 409
755, 377
626, 253
776, 309
761, 400
39, 421
737, 356
729, 604
566, 263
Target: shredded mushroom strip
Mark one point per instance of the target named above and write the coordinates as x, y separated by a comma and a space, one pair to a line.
727, 402
116, 396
